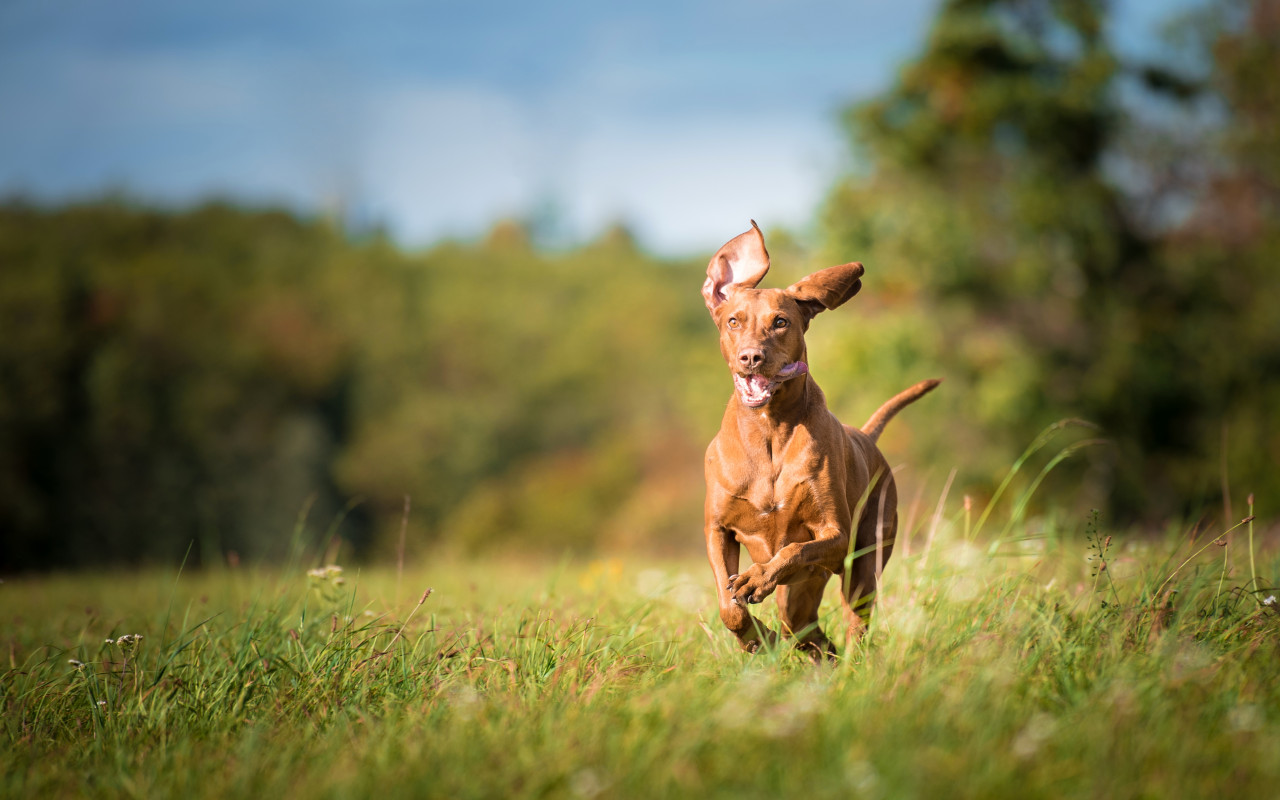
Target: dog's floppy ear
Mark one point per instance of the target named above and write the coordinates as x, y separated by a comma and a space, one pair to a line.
827, 288
743, 261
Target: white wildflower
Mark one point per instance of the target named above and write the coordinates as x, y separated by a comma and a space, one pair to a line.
108, 641
1245, 718
332, 571
73, 662
102, 702
1038, 730
464, 701
864, 779
1270, 601
738, 711
794, 711
587, 783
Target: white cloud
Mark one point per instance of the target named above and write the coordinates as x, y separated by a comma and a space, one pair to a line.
684, 120
633, 135
437, 160
448, 160
688, 182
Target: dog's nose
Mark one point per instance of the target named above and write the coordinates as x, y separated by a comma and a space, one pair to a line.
751, 357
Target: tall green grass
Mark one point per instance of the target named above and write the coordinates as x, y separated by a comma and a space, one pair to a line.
1044, 665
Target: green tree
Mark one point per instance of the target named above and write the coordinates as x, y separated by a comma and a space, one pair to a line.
993, 201
165, 379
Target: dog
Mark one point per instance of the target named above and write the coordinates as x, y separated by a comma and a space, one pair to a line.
807, 496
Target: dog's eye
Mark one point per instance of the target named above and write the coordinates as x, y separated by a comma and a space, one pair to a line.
733, 322
781, 322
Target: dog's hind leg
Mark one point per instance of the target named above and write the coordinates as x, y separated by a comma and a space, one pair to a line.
798, 610
876, 530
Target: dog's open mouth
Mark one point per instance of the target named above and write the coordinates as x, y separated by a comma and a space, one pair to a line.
756, 390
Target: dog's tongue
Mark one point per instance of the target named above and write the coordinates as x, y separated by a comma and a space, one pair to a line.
792, 370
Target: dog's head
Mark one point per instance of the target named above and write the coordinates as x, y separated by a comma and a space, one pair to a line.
762, 330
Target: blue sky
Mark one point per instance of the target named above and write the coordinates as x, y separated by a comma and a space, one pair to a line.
683, 119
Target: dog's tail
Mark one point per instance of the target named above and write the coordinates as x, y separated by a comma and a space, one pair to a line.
899, 401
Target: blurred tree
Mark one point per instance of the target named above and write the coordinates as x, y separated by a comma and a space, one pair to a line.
518, 403
992, 200
162, 383
1222, 166
203, 376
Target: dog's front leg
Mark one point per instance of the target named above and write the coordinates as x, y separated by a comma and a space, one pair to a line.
800, 561
724, 553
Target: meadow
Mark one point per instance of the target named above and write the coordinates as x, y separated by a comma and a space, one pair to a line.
1048, 664
504, 436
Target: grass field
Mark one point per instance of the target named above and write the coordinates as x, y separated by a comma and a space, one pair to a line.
1019, 670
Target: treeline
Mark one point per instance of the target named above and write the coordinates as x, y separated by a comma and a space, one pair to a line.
1052, 230
1063, 231
209, 376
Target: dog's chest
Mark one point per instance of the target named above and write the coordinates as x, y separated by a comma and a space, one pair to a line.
769, 505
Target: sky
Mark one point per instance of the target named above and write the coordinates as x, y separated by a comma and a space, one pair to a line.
680, 119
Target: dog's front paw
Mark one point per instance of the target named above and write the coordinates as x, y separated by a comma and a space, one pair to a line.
752, 586
760, 637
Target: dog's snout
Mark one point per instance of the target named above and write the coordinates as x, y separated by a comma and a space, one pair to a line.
750, 357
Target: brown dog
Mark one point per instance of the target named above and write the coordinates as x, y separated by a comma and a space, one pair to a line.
807, 496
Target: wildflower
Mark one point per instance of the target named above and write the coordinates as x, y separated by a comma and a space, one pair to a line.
108, 641
587, 783
862, 776
1245, 718
102, 702
73, 662
1038, 730
1270, 601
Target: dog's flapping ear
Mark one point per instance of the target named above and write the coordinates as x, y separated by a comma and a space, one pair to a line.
743, 261
827, 289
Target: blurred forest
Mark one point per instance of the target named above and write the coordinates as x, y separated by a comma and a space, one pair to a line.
1053, 230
